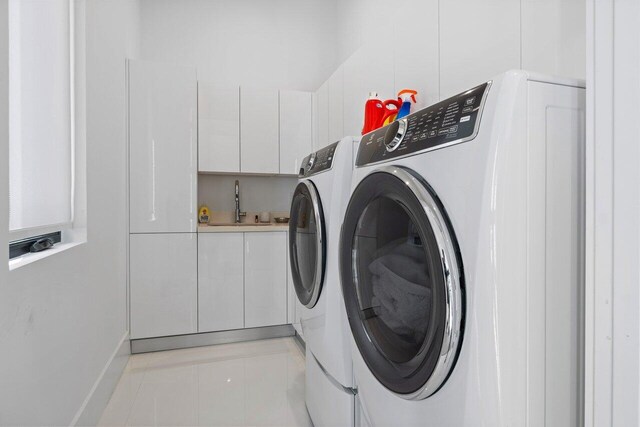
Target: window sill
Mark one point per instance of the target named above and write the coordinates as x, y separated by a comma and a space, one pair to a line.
78, 238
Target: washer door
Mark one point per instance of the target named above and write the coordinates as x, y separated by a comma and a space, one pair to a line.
307, 243
402, 282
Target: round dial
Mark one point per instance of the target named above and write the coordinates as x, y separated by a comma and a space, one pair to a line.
395, 134
312, 160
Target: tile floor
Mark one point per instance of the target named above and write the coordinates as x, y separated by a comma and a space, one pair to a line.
259, 383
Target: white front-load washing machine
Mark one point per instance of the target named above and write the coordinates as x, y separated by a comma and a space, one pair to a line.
461, 256
317, 209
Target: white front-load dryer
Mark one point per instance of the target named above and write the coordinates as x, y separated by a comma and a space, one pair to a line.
317, 209
461, 256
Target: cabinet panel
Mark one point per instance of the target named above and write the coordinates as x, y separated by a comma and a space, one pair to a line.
323, 117
420, 72
360, 78
336, 107
259, 134
314, 121
265, 279
296, 139
220, 281
218, 128
163, 283
163, 150
553, 40
471, 53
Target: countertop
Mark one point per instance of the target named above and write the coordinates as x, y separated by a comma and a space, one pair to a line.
242, 228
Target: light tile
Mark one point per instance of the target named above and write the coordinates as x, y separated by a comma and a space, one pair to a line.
258, 383
167, 397
119, 407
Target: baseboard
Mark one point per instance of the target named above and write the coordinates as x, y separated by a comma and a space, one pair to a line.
147, 345
91, 410
300, 342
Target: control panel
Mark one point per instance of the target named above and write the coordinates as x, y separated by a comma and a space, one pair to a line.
320, 161
450, 121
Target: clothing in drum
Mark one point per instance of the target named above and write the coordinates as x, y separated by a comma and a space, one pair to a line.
306, 243
401, 276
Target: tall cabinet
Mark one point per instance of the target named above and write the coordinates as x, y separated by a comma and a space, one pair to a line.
162, 199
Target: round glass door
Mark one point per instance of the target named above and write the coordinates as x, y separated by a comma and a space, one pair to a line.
402, 281
306, 243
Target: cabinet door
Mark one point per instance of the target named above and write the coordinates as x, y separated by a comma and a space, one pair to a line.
419, 72
314, 121
163, 282
360, 78
220, 281
553, 37
265, 266
218, 128
465, 64
296, 140
323, 117
163, 148
259, 135
336, 107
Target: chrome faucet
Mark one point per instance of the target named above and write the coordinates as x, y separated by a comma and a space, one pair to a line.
238, 213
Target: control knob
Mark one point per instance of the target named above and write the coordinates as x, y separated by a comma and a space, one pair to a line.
312, 160
395, 134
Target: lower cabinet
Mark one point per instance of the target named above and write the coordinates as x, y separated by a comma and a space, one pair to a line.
265, 279
220, 281
184, 283
163, 284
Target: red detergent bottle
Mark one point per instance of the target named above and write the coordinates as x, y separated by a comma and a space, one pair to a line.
374, 109
391, 108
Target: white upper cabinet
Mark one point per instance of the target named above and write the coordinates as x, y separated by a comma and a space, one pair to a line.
418, 72
314, 121
265, 279
164, 284
360, 78
336, 107
296, 139
163, 147
218, 128
259, 133
220, 281
322, 117
553, 37
471, 53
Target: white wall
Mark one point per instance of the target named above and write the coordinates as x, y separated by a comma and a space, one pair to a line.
612, 309
62, 318
285, 44
257, 193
